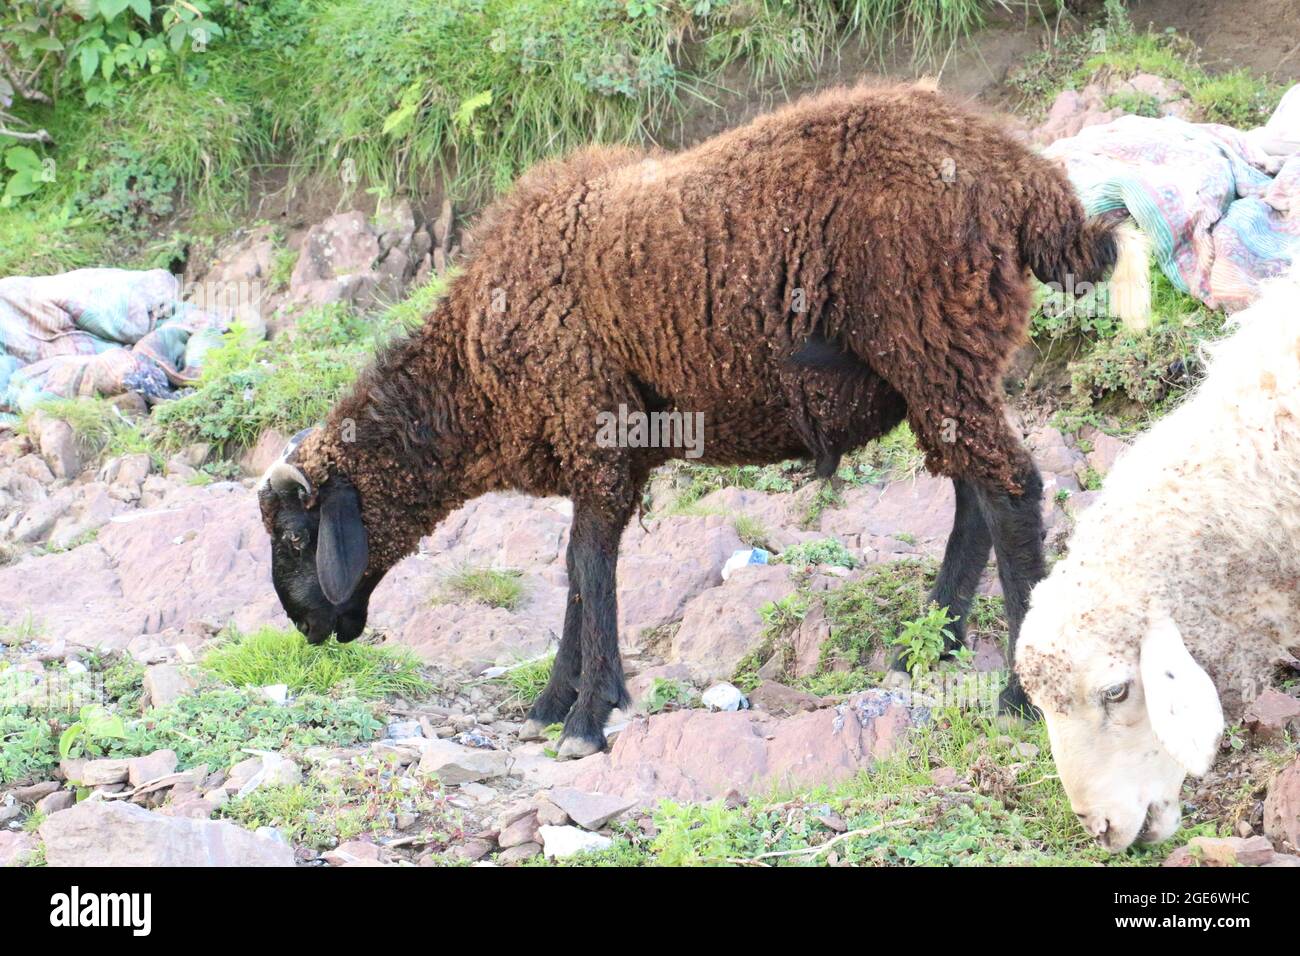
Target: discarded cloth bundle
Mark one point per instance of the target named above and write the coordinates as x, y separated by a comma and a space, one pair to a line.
1221, 207
98, 332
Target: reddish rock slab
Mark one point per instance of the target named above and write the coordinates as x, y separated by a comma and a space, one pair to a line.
1272, 714
1282, 806
723, 625
696, 755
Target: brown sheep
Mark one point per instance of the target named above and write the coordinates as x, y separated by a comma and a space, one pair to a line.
806, 281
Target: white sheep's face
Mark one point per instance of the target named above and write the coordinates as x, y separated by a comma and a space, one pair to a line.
1125, 729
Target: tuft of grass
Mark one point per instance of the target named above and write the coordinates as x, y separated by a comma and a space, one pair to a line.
808, 554
491, 586
529, 678
101, 430
274, 656
751, 531
892, 457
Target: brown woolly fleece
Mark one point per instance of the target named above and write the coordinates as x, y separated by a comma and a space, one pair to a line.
885, 225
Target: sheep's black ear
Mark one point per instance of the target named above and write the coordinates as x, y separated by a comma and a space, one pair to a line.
341, 549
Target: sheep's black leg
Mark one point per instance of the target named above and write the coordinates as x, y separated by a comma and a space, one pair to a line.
556, 700
964, 558
1016, 524
597, 527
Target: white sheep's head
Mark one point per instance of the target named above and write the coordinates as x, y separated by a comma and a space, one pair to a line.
1128, 711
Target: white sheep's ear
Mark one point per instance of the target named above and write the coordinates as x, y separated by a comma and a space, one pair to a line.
1182, 703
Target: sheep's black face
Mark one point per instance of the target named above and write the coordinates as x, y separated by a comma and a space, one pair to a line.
318, 553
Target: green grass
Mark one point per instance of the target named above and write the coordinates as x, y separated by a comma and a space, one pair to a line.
826, 551
528, 679
274, 656
1235, 98
101, 430
490, 586
248, 386
751, 531
1009, 809
212, 726
388, 96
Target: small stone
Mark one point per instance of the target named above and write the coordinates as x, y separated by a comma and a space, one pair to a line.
58, 445
548, 814
353, 851
517, 854
101, 773
15, 848
521, 831
589, 810
160, 763
404, 729
454, 764
35, 791
944, 777
479, 792
116, 833
780, 700
1282, 806
1272, 714
1222, 851
1026, 750
563, 842
474, 849
163, 684
54, 802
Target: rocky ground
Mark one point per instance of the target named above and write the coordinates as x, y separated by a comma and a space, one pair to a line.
127, 561
760, 732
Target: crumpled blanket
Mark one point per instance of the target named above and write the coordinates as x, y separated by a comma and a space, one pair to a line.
98, 332
1221, 206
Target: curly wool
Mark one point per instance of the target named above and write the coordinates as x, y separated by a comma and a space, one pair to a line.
1200, 518
886, 223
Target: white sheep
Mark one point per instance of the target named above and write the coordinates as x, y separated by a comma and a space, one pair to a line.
1181, 588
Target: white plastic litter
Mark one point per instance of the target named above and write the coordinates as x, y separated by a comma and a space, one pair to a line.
741, 558
725, 696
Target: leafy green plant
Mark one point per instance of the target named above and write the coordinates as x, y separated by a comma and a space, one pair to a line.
29, 748
827, 551
666, 694
128, 189
922, 640
28, 173
92, 733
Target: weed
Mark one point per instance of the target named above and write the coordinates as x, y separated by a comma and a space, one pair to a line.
274, 656
827, 551
921, 641
495, 588
529, 678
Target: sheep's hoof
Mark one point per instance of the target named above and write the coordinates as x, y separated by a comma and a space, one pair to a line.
575, 748
533, 729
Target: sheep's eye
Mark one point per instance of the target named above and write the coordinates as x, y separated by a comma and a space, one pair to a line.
1115, 693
